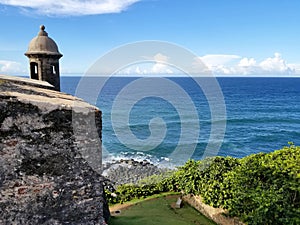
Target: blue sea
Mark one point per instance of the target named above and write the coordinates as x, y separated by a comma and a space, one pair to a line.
173, 119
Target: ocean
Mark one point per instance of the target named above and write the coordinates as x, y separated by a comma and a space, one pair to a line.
174, 119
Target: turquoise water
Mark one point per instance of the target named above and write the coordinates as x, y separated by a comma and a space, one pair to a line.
262, 115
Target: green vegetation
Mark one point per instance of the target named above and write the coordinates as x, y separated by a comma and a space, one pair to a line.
260, 189
128, 192
159, 211
265, 188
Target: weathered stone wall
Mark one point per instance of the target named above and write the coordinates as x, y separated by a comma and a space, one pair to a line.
50, 157
215, 214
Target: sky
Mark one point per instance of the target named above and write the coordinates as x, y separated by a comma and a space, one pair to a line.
232, 37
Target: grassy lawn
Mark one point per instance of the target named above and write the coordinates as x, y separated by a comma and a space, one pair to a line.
159, 211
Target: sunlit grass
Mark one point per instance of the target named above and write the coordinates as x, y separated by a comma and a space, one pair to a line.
159, 211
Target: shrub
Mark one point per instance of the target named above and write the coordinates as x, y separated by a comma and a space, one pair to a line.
264, 189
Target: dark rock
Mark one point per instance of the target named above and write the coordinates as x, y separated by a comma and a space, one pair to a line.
130, 171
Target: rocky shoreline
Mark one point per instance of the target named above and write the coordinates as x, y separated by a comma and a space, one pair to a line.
126, 171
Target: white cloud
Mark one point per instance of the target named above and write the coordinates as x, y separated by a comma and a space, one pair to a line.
71, 7
138, 70
226, 64
275, 65
237, 65
160, 58
216, 60
10, 67
161, 65
153, 65
246, 62
295, 67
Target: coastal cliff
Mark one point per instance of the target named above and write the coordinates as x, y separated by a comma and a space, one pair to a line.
50, 148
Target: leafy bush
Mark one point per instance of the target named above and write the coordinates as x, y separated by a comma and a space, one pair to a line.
264, 189
186, 178
127, 192
212, 185
203, 178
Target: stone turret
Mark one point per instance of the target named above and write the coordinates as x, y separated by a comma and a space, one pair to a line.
44, 58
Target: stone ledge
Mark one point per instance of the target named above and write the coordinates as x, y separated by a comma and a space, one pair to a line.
215, 214
24, 80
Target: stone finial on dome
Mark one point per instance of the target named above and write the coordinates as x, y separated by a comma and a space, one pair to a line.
42, 44
42, 31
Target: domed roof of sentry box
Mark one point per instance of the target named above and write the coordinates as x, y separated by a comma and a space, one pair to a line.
42, 44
